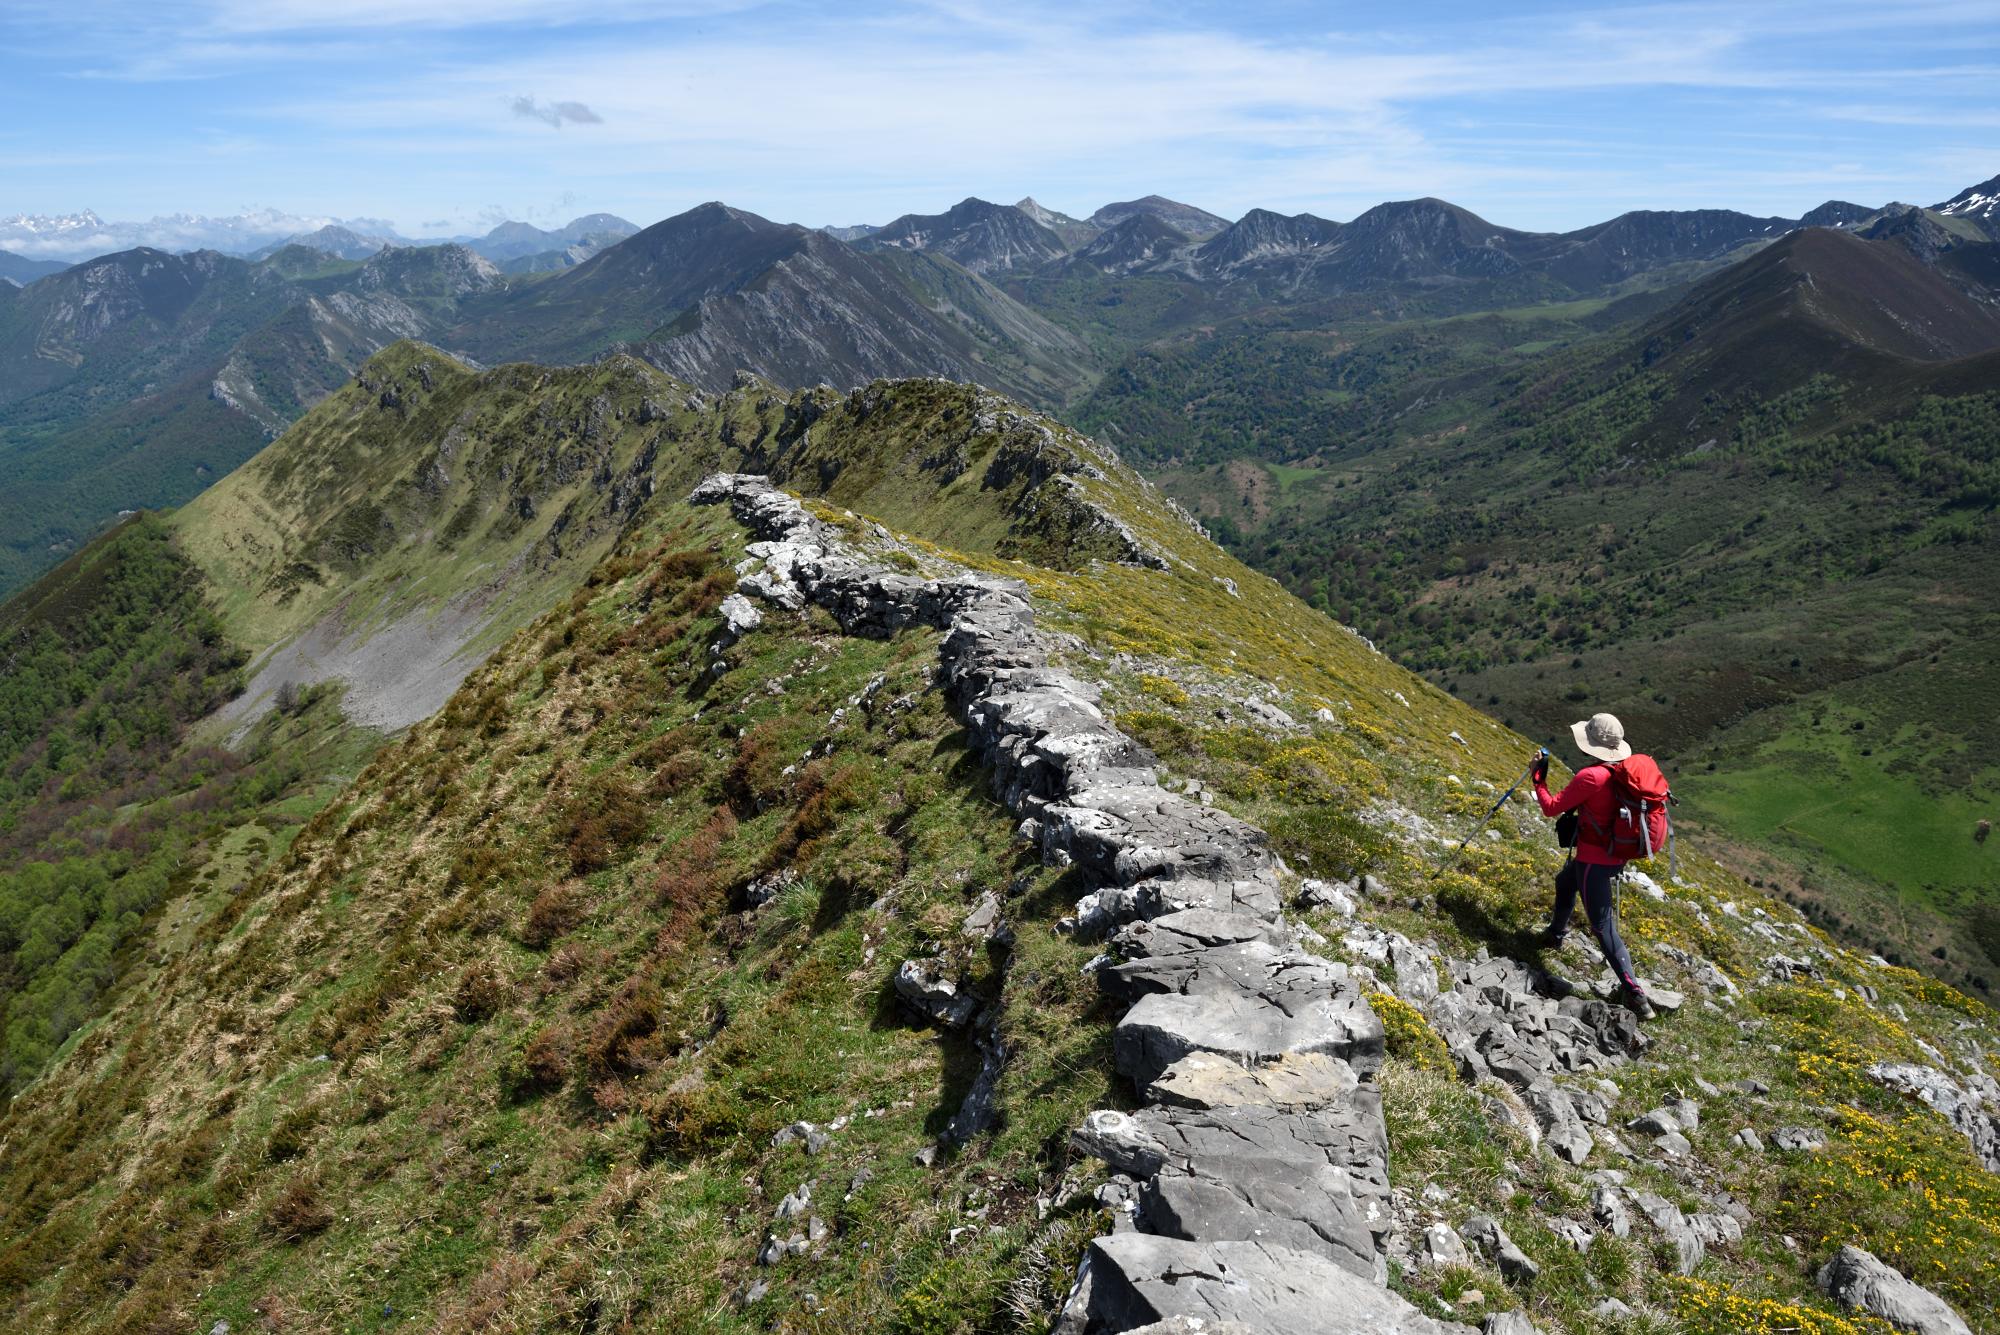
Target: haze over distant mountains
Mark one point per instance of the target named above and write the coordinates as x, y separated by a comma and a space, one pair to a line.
70, 237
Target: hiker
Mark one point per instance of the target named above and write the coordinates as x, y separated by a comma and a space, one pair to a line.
1601, 840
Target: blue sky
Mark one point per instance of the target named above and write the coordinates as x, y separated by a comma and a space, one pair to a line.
442, 115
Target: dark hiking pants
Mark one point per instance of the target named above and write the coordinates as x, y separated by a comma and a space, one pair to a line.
1598, 906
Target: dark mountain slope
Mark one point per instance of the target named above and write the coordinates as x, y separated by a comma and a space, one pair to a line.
826, 313
1261, 237
340, 242
1073, 231
632, 289
1819, 302
138, 379
1136, 242
1978, 205
1834, 213
981, 238
21, 271
1419, 241
1181, 217
519, 240
169, 370
104, 329
1634, 243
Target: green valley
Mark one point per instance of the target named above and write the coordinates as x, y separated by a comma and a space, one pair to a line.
1755, 524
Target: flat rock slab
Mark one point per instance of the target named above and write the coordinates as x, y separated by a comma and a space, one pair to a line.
1313, 1211
1295, 1082
1137, 1278
1249, 1142
1130, 833
1106, 909
1251, 1029
1240, 966
1193, 929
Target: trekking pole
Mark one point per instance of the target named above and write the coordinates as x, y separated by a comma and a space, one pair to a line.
1442, 866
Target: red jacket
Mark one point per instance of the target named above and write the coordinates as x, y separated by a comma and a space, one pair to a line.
1589, 792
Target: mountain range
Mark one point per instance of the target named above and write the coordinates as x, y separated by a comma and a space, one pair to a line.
1414, 409
120, 358
69, 238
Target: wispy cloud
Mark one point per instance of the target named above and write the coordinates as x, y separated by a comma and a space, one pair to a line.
555, 114
812, 111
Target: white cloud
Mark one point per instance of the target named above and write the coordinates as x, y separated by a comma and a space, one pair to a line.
820, 113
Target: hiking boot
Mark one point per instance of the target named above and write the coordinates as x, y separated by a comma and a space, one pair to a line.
1633, 998
1550, 939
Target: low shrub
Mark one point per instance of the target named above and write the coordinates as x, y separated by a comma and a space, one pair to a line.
554, 913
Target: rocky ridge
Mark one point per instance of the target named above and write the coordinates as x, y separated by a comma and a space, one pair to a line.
1253, 1188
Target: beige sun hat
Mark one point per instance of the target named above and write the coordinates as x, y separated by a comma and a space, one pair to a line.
1602, 736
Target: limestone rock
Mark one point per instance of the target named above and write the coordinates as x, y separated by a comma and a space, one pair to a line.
1507, 1323
1443, 1246
1797, 1138
1192, 1325
1416, 971
1192, 929
922, 984
1310, 1211
1251, 1028
1658, 1122
1484, 1234
1855, 1277
1715, 1229
1315, 894
805, 1133
739, 616
1673, 1225
1674, 1145
1136, 1279
1610, 1211
1294, 1082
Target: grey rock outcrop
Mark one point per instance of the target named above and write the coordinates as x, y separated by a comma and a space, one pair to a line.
1975, 1119
1858, 1279
1503, 1020
1259, 1171
1192, 1325
1609, 1210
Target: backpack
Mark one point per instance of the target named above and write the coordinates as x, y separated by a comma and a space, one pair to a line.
1640, 826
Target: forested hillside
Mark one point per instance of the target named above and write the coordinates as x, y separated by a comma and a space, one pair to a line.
1754, 525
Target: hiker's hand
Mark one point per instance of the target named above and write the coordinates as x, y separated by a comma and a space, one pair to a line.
1540, 769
